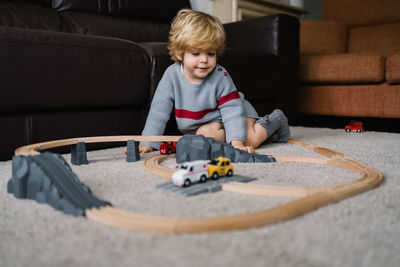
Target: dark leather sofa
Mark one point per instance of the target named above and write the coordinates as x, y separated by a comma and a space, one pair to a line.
71, 68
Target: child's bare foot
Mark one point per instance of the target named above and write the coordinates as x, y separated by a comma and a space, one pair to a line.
142, 149
145, 149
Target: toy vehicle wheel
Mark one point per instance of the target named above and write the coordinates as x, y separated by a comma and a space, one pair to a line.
358, 130
215, 176
230, 173
348, 130
187, 183
169, 151
203, 178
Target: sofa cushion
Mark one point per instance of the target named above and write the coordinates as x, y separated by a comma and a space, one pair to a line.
134, 30
393, 69
30, 16
361, 12
53, 70
342, 69
380, 39
322, 37
150, 10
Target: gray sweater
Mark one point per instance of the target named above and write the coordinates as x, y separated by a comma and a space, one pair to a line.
214, 99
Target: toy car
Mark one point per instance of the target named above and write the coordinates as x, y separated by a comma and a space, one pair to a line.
191, 172
354, 126
168, 147
220, 167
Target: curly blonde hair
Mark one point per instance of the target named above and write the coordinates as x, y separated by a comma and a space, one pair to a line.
193, 29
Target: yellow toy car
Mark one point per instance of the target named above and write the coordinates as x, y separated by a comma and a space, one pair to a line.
220, 167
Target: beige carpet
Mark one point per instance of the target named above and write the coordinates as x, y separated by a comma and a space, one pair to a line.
363, 230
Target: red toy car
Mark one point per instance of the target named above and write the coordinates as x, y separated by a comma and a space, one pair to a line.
168, 147
354, 126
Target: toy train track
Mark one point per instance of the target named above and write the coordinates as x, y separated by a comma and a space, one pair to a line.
309, 198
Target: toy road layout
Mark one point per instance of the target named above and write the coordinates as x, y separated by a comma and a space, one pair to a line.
27, 174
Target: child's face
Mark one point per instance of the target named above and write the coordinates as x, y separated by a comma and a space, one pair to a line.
198, 64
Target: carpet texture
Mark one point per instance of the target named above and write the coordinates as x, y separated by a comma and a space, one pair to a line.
363, 230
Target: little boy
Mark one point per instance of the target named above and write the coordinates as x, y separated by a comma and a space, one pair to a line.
202, 93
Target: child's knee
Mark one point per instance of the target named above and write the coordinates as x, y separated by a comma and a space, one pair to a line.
212, 129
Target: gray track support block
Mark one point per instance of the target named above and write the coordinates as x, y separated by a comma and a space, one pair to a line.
192, 147
263, 158
210, 186
47, 178
78, 154
20, 174
244, 157
132, 151
197, 147
217, 148
229, 152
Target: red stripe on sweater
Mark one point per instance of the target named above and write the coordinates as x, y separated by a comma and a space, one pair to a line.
226, 98
197, 115
194, 115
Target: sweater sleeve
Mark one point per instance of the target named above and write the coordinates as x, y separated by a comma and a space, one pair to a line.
232, 110
160, 110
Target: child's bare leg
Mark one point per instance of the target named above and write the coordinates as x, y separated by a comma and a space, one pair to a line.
255, 133
212, 129
276, 126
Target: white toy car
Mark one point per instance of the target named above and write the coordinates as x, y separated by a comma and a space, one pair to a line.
191, 172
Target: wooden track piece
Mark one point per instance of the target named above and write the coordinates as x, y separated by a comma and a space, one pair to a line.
152, 165
35, 149
310, 198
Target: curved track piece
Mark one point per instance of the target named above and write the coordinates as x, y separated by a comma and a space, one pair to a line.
310, 198
152, 165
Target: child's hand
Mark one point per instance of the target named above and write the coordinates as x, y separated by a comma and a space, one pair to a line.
145, 149
240, 145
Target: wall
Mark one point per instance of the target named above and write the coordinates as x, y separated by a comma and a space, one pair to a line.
313, 6
224, 9
201, 5
315, 9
